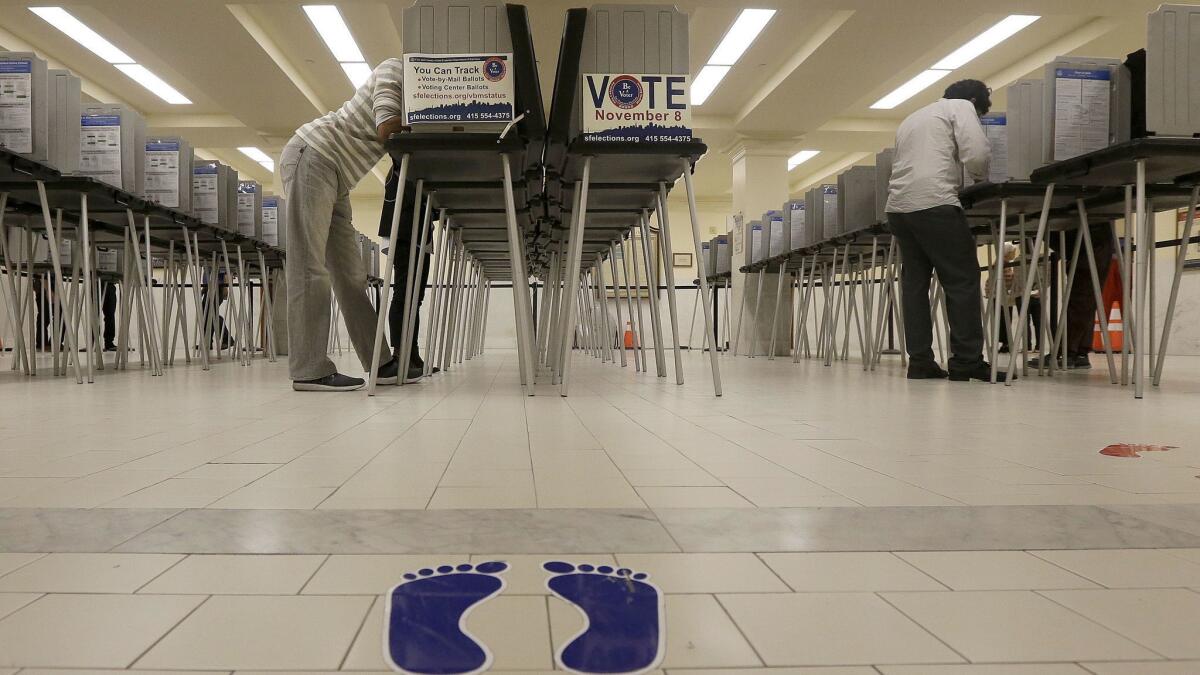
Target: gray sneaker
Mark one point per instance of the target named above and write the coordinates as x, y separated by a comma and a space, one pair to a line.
334, 382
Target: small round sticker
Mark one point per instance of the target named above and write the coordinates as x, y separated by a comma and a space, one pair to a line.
625, 92
494, 69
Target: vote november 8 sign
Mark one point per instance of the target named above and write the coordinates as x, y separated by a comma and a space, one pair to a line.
458, 88
636, 108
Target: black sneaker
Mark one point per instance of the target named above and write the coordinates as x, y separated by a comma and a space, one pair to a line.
334, 382
1079, 362
415, 373
1045, 362
981, 372
926, 371
389, 373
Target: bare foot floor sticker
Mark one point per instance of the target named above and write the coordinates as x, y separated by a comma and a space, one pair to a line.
1133, 449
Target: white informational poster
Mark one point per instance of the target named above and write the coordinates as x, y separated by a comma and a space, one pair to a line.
776, 246
756, 242
204, 194
1082, 99
995, 127
270, 220
100, 148
636, 108
245, 212
162, 173
458, 88
16, 105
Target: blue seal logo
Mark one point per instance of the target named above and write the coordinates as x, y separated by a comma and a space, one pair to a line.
625, 92
494, 69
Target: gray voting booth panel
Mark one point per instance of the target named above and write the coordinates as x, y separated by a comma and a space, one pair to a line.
457, 27
168, 179
724, 254
706, 254
214, 194
1025, 130
635, 39
754, 240
112, 146
19, 241
1074, 119
883, 182
793, 220
820, 214
775, 234
63, 90
856, 200
1173, 71
274, 220
995, 127
249, 209
24, 122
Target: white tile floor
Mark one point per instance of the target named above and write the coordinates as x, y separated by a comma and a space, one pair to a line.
762, 474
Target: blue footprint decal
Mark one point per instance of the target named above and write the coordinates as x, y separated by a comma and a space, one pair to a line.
426, 617
624, 632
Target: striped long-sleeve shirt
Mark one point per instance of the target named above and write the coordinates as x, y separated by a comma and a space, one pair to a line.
349, 136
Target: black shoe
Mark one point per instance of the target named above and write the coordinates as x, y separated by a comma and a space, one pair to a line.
334, 382
929, 371
981, 372
1045, 362
389, 373
110, 348
1079, 362
415, 373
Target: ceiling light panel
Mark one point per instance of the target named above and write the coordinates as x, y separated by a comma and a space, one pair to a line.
740, 36
909, 89
706, 82
77, 31
154, 83
259, 156
357, 72
985, 41
801, 157
334, 31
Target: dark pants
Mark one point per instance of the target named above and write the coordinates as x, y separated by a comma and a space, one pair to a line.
399, 289
108, 309
1081, 304
939, 239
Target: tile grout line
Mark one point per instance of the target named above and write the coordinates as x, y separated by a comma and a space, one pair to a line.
168, 568
170, 630
1094, 622
922, 626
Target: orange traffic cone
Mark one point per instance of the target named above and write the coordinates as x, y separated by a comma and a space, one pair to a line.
1115, 309
628, 335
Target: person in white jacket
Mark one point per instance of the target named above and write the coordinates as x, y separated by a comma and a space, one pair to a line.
934, 146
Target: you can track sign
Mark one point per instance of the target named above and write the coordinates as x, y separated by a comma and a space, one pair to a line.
633, 108
458, 88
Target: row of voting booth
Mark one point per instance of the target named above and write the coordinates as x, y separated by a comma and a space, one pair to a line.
182, 239
1065, 160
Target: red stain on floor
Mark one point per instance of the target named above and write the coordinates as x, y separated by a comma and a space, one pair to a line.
1133, 449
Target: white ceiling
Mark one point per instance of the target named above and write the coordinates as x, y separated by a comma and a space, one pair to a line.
256, 70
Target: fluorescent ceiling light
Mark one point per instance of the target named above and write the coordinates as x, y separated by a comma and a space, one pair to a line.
801, 157
740, 36
333, 30
706, 81
986, 40
357, 72
77, 31
909, 89
259, 156
153, 82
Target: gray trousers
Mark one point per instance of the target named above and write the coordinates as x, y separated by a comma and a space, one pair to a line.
321, 252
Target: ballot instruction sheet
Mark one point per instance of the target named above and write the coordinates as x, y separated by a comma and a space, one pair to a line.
204, 194
270, 220
100, 148
995, 127
16, 105
162, 173
1082, 99
245, 211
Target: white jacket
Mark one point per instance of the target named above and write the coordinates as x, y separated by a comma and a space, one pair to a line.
933, 147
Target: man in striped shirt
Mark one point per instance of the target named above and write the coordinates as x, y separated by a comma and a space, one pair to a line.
323, 161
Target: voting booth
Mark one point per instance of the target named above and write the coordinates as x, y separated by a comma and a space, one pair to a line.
793, 221
883, 181
1086, 106
24, 122
274, 220
995, 127
724, 254
168, 176
778, 236
214, 186
112, 146
1024, 128
1173, 71
856, 200
249, 209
